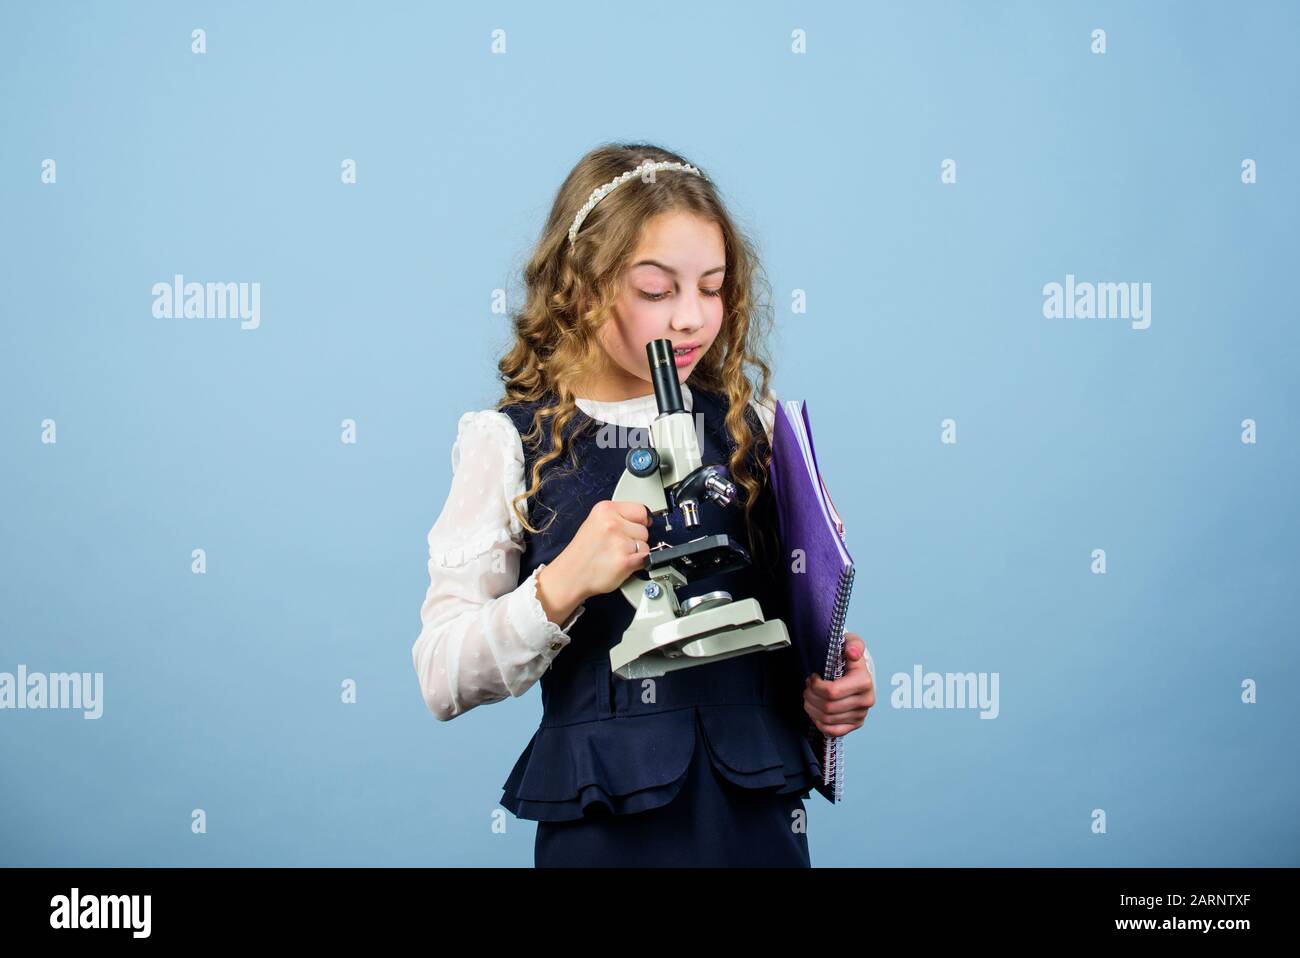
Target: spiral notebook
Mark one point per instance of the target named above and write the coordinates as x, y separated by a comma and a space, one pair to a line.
818, 596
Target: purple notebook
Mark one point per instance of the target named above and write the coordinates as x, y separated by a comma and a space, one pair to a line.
818, 596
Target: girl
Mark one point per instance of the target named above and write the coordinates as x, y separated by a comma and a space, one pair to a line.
706, 765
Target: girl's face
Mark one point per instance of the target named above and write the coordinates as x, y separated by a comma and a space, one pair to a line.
672, 290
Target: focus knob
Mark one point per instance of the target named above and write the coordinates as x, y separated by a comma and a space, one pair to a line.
642, 462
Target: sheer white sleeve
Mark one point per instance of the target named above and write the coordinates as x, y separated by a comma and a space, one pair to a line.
484, 635
766, 411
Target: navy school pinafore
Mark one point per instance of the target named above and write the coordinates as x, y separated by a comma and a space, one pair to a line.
703, 766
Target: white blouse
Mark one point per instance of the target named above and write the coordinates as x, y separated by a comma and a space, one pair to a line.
485, 635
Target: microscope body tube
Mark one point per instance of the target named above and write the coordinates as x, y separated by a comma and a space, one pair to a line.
663, 373
672, 431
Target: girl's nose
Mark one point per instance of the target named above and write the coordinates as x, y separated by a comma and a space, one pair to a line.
689, 317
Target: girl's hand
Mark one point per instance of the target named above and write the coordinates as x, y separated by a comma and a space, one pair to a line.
839, 707
601, 557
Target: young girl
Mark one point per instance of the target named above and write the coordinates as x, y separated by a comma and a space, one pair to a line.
706, 765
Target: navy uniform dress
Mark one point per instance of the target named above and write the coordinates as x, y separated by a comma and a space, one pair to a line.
703, 766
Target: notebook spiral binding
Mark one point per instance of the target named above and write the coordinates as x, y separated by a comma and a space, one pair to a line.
833, 773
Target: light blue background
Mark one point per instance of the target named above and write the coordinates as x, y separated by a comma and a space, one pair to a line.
1120, 692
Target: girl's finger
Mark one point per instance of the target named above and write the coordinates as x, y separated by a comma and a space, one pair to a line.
821, 715
635, 511
839, 688
636, 530
636, 559
846, 705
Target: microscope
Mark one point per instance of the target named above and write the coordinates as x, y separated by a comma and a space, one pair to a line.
668, 475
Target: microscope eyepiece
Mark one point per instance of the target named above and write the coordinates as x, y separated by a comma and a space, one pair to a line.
663, 373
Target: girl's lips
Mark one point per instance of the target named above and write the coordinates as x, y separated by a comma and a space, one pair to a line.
687, 359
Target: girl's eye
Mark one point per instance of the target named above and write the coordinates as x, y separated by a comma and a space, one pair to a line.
655, 297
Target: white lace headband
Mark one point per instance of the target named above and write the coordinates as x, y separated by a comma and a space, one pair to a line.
600, 192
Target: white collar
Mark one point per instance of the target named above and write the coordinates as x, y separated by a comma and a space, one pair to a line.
635, 413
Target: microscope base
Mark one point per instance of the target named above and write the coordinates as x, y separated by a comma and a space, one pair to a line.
708, 635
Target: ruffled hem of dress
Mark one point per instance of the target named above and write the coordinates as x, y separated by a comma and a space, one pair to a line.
735, 758
634, 763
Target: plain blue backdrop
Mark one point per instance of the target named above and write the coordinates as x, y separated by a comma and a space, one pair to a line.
1120, 692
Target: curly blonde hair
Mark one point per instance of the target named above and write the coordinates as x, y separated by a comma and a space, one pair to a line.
571, 289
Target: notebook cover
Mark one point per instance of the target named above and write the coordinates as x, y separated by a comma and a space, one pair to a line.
817, 597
